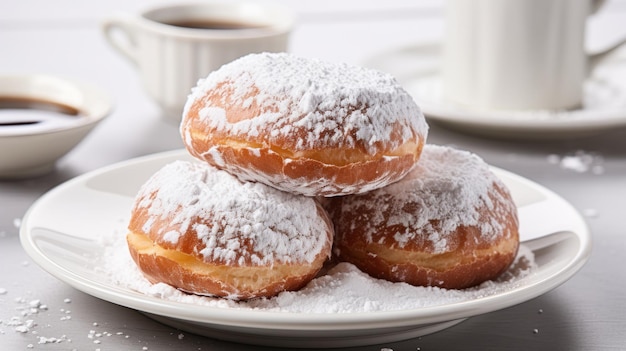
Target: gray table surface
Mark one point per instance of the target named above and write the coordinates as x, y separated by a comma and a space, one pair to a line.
588, 312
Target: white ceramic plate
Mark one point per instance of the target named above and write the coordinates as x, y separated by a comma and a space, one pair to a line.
61, 231
418, 70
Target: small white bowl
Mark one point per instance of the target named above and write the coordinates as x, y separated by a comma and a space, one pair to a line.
31, 142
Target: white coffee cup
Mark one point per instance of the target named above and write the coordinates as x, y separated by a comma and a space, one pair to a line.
174, 46
516, 54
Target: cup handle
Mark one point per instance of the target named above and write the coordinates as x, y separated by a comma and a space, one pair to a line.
597, 57
120, 32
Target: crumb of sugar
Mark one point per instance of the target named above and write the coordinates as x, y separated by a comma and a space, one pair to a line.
574, 163
51, 340
22, 329
344, 289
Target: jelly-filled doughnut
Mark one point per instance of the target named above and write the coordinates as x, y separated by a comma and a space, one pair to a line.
303, 125
449, 223
205, 232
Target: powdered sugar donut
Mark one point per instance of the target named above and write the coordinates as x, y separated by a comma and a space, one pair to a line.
449, 223
203, 231
303, 125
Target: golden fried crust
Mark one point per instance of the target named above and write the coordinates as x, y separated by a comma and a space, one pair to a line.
470, 260
190, 274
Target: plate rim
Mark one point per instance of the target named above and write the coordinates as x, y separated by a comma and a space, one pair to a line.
286, 320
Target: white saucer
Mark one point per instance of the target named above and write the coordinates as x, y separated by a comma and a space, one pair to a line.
417, 69
62, 233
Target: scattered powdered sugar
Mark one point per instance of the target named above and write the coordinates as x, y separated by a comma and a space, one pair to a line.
579, 161
32, 318
223, 212
447, 185
323, 103
343, 289
25, 321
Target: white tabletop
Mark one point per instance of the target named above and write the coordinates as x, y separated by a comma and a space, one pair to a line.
63, 38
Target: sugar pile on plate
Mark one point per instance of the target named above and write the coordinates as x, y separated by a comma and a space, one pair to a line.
342, 289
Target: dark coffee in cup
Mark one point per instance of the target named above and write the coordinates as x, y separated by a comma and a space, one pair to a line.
17, 110
212, 24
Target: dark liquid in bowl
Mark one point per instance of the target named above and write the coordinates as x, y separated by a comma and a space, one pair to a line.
212, 24
16, 110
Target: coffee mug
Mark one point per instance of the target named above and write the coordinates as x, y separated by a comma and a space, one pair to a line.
516, 54
174, 46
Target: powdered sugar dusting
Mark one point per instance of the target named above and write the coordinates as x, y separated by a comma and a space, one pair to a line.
448, 186
224, 212
330, 104
343, 289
